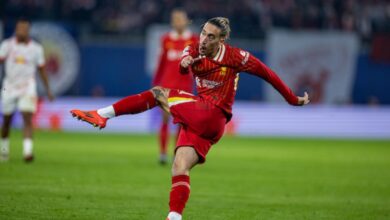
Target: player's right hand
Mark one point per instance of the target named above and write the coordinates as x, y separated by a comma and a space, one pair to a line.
189, 60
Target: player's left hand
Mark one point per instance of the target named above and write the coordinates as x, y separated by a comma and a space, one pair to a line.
304, 100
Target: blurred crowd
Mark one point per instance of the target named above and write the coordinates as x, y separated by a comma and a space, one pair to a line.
249, 18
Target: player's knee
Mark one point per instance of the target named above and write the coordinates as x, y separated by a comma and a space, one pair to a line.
161, 95
6, 121
159, 92
27, 124
180, 167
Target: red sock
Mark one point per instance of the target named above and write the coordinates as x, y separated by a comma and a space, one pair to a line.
180, 193
135, 104
164, 133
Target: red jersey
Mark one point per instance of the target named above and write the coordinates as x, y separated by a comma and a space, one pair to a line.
217, 78
167, 74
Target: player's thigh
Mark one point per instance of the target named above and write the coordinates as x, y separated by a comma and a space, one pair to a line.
28, 104
165, 117
185, 158
7, 120
161, 95
8, 105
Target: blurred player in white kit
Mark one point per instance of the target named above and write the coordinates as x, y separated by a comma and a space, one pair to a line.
22, 57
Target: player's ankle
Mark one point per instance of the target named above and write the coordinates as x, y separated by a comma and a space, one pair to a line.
163, 159
4, 146
174, 216
107, 112
27, 147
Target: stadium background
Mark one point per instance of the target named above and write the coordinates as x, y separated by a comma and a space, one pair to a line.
99, 50
110, 52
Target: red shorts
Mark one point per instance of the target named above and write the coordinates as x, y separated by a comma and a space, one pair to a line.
202, 123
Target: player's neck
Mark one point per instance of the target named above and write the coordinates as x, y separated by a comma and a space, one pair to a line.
214, 53
21, 40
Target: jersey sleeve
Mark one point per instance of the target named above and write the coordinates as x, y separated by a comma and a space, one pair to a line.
246, 62
40, 57
189, 50
161, 63
4, 49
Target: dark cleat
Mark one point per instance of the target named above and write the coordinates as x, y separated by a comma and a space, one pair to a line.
29, 158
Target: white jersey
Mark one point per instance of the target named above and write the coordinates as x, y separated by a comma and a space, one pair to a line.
21, 63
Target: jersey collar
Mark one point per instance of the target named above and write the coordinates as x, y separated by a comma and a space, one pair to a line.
175, 36
20, 42
221, 53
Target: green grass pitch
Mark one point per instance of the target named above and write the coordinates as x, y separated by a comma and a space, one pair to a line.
107, 176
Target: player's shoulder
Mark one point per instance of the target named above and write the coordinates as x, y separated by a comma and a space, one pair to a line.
8, 40
35, 44
231, 50
171, 36
165, 36
236, 55
194, 38
188, 35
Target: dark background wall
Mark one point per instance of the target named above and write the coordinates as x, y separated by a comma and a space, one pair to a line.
120, 70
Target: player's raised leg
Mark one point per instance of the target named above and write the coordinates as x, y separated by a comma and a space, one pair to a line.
164, 137
6, 126
133, 104
28, 136
185, 159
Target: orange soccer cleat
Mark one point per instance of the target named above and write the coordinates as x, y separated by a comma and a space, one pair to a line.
91, 117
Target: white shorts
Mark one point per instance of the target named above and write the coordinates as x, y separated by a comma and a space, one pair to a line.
19, 95
24, 103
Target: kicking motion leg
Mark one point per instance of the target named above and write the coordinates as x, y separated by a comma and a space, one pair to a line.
130, 105
185, 159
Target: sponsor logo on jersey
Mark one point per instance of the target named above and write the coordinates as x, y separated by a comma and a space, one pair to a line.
20, 60
204, 83
173, 54
169, 45
223, 70
61, 54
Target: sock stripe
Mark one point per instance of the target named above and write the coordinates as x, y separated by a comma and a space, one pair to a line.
181, 184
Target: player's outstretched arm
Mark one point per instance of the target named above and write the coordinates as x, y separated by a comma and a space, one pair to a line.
255, 67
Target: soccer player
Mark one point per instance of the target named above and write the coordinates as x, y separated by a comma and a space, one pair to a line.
216, 66
22, 57
167, 74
